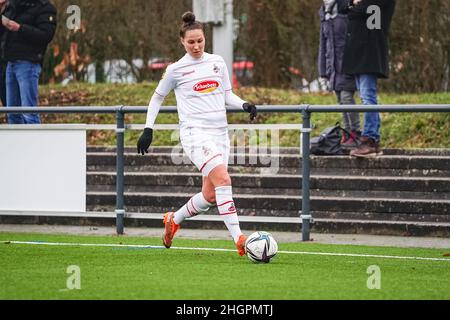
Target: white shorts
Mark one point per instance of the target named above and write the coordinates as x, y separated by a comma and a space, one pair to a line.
206, 148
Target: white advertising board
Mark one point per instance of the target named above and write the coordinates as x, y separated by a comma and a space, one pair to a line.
43, 168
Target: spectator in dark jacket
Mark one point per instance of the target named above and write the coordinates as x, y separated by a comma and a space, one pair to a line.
333, 30
366, 57
27, 28
3, 64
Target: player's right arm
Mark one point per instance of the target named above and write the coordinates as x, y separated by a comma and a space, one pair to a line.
164, 87
233, 100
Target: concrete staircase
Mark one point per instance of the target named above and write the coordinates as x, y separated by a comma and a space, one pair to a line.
403, 192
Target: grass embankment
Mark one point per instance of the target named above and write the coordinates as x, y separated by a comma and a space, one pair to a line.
399, 130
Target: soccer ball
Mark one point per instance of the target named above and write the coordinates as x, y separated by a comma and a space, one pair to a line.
260, 247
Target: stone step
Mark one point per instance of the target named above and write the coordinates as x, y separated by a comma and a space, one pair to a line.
271, 224
284, 163
278, 203
401, 192
373, 216
291, 192
389, 187
267, 170
169, 149
282, 150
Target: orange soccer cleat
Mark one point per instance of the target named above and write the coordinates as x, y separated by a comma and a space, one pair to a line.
170, 228
240, 245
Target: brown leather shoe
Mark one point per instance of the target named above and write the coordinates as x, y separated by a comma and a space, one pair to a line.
369, 148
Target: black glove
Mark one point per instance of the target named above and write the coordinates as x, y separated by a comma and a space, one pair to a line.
144, 141
250, 108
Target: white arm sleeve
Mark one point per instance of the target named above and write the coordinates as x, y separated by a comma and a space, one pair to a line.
230, 98
153, 109
233, 100
162, 90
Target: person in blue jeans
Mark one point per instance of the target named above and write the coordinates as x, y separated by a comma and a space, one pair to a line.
22, 81
27, 28
366, 56
367, 87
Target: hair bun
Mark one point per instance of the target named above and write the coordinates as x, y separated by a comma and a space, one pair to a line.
188, 17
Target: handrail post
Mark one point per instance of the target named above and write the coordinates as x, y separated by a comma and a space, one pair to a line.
120, 133
305, 215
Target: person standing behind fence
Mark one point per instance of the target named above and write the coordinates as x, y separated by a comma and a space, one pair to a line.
27, 28
3, 64
333, 30
366, 56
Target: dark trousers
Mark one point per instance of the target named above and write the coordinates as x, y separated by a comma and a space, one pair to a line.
3, 82
351, 119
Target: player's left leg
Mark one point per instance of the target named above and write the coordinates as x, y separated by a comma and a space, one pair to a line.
221, 181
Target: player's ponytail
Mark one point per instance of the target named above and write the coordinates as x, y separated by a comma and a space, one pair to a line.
189, 23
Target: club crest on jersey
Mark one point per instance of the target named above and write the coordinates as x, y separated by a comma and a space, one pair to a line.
206, 86
206, 151
216, 69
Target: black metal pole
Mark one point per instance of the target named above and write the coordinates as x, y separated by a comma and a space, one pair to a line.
305, 213
120, 133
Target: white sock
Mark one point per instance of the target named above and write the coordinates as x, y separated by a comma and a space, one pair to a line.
197, 204
227, 210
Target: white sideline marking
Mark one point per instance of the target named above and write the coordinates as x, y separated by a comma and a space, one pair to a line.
218, 249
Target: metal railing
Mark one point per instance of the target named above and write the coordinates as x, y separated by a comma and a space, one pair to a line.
304, 110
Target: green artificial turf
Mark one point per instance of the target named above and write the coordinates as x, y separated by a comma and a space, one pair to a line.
40, 271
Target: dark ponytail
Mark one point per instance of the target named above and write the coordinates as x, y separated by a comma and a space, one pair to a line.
189, 23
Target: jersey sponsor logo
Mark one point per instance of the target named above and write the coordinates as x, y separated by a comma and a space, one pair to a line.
206, 86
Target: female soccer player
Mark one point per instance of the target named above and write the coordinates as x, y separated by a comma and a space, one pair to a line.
202, 89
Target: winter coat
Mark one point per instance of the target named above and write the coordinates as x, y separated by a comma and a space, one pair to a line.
366, 50
38, 24
331, 52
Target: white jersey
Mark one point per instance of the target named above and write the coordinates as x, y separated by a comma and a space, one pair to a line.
200, 87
